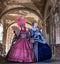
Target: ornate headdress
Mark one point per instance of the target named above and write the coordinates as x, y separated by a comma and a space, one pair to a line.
20, 21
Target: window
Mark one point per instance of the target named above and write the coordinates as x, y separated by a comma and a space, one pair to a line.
1, 32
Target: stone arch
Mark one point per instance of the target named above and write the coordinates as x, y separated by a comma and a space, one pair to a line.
21, 8
5, 25
46, 21
50, 25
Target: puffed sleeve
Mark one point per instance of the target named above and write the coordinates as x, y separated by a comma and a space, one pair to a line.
42, 38
31, 32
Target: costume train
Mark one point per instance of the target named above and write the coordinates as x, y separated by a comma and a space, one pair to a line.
42, 51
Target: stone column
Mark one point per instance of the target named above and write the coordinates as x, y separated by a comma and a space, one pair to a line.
4, 38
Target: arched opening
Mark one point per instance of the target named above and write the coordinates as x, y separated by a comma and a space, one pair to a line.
8, 18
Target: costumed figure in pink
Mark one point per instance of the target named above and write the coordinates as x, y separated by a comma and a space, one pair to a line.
21, 50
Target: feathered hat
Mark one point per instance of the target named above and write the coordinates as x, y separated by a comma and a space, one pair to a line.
20, 21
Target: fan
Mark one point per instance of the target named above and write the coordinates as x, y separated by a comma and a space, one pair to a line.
16, 29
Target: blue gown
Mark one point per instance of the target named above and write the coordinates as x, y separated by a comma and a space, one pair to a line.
41, 49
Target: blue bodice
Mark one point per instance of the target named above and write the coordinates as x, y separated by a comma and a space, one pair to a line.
37, 36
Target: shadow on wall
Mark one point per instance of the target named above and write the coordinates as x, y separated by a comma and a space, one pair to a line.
1, 48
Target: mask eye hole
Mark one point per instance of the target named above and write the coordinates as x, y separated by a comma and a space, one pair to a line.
22, 25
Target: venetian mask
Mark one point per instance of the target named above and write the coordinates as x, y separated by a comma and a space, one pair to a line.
34, 25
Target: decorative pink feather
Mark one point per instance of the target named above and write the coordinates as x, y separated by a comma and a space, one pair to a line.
21, 20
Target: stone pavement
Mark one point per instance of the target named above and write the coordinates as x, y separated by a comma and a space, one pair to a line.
52, 61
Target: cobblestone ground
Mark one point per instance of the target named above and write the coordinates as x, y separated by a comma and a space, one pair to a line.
52, 61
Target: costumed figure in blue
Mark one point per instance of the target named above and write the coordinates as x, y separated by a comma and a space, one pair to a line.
42, 51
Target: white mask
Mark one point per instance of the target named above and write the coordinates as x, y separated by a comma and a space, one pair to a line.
35, 26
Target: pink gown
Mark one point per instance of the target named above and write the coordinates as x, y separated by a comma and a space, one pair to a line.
21, 51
